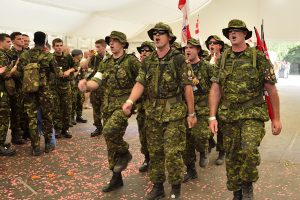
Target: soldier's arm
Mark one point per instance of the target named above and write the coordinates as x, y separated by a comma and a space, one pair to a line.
269, 86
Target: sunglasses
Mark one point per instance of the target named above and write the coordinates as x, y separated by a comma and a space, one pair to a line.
211, 42
235, 30
159, 32
147, 50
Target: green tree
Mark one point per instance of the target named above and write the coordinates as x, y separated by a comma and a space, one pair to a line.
293, 55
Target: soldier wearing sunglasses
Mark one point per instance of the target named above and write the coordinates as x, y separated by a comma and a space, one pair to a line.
165, 78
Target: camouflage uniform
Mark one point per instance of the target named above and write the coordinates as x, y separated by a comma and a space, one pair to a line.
17, 118
97, 95
212, 142
199, 134
62, 93
4, 100
118, 76
78, 97
141, 116
242, 112
163, 80
40, 98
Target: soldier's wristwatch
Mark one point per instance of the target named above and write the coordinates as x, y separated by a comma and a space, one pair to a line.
212, 118
192, 114
129, 101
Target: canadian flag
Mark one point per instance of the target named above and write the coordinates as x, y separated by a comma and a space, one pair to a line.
183, 5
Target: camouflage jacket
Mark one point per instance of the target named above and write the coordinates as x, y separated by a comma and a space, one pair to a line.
203, 71
94, 64
64, 63
118, 77
47, 64
242, 81
14, 55
4, 62
164, 80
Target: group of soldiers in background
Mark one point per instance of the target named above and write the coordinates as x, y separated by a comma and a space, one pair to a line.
169, 88
57, 98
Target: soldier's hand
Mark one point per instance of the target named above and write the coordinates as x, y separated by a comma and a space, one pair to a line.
276, 127
191, 121
2, 69
66, 73
127, 108
82, 85
213, 126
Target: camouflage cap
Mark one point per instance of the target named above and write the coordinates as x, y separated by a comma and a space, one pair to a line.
217, 38
119, 36
148, 44
236, 24
194, 42
162, 26
76, 52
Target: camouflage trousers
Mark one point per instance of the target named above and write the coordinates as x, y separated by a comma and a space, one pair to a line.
196, 139
4, 116
97, 104
220, 145
166, 143
141, 122
241, 142
113, 132
77, 101
16, 113
32, 102
62, 105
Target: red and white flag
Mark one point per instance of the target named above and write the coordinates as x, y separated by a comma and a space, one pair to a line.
183, 5
197, 32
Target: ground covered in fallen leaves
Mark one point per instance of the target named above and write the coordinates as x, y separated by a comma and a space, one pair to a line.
77, 169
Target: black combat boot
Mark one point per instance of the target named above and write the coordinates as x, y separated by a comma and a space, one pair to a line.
48, 146
36, 151
96, 132
7, 151
115, 182
66, 134
72, 122
122, 162
237, 195
211, 144
221, 158
203, 161
157, 192
79, 119
247, 188
17, 137
57, 133
190, 173
145, 165
175, 192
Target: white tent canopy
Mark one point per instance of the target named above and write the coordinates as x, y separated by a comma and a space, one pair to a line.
81, 22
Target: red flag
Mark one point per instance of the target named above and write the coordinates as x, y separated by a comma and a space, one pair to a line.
259, 43
183, 5
197, 28
261, 46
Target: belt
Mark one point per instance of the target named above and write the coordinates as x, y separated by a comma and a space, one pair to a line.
170, 100
255, 101
124, 96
